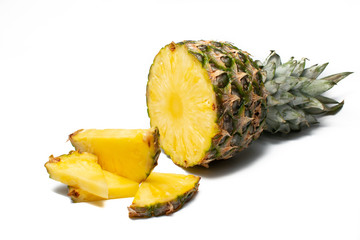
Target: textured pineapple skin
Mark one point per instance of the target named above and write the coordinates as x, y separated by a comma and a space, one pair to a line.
240, 96
163, 208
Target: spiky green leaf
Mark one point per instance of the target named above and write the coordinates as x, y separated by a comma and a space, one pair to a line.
313, 71
317, 87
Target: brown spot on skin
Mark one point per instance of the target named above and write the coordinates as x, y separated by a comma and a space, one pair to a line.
148, 138
74, 133
53, 159
213, 106
205, 164
74, 194
170, 209
172, 46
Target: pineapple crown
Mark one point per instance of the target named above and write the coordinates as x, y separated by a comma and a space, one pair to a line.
295, 94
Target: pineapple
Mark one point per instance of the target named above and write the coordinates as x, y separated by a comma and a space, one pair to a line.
118, 187
79, 170
163, 193
129, 153
210, 99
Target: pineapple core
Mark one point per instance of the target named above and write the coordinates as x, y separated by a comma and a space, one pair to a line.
182, 104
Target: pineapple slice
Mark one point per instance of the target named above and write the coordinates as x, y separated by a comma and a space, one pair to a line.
118, 187
128, 153
80, 170
163, 193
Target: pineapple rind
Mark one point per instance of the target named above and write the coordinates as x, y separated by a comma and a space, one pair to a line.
159, 209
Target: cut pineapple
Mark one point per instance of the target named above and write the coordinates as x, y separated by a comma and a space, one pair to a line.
129, 153
207, 99
79, 170
118, 187
163, 193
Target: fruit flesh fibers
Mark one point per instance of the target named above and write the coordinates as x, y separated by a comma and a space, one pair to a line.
182, 105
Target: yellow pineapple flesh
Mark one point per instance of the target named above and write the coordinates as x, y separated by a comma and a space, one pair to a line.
182, 104
163, 193
79, 170
118, 187
131, 153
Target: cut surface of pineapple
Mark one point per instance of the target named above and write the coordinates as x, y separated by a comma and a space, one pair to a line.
118, 187
163, 193
79, 170
131, 153
181, 103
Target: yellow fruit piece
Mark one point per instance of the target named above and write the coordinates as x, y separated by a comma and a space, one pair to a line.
163, 193
118, 187
131, 153
79, 170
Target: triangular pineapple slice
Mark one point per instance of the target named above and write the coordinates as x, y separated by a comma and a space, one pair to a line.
119, 187
163, 193
79, 170
128, 153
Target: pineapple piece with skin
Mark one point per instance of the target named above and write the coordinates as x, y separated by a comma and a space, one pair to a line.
130, 153
163, 193
207, 99
79, 170
118, 187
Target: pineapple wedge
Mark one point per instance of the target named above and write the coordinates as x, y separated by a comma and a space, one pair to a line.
79, 170
163, 193
128, 153
118, 187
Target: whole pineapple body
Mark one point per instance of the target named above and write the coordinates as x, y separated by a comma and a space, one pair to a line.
207, 100
210, 100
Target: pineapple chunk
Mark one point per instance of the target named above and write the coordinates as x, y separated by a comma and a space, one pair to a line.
163, 193
118, 187
128, 153
79, 170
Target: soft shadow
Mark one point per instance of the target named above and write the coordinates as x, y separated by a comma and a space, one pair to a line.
63, 190
100, 203
249, 156
279, 138
229, 166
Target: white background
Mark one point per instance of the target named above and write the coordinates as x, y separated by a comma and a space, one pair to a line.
66, 65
